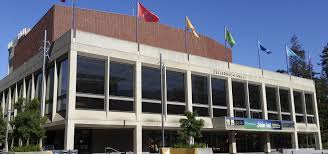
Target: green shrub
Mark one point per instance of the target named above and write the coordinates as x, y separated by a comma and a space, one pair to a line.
28, 148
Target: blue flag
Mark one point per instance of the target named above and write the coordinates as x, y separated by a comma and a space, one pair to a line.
261, 47
291, 53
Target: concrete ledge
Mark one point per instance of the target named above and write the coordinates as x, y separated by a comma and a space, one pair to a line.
41, 152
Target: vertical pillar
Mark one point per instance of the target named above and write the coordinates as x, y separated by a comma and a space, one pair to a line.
32, 86
8, 118
304, 107
210, 101
317, 136
189, 91
137, 139
3, 103
138, 90
165, 92
264, 106
70, 106
24, 88
229, 97
248, 105
278, 103
107, 67
293, 117
55, 90
15, 99
232, 137
69, 135
43, 92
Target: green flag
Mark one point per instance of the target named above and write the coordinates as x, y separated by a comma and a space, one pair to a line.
228, 37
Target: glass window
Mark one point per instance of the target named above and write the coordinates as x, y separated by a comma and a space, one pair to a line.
151, 83
298, 102
219, 112
254, 96
300, 119
62, 85
286, 117
219, 92
119, 105
49, 90
199, 89
121, 79
201, 111
175, 82
273, 116
175, 109
238, 92
309, 104
89, 103
256, 115
90, 76
38, 87
239, 113
284, 100
271, 98
152, 107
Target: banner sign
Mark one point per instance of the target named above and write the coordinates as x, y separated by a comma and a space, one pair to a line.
262, 124
258, 124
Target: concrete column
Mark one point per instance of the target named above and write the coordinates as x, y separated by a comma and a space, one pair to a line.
232, 138
189, 91
304, 107
15, 99
55, 90
8, 118
232, 142
69, 135
3, 103
70, 106
24, 88
318, 141
293, 117
229, 97
138, 91
32, 86
278, 103
248, 105
210, 101
137, 139
107, 67
264, 106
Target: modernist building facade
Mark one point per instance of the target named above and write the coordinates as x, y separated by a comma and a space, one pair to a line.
103, 89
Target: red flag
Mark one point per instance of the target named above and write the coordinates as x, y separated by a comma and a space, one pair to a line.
146, 15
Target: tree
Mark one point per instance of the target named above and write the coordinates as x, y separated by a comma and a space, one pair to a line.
28, 124
2, 128
191, 129
322, 93
298, 66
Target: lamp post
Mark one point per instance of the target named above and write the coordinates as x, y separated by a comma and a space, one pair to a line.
7, 125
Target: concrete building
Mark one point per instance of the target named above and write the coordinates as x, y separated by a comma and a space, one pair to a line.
101, 91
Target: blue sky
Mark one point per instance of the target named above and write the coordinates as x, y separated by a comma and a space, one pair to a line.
275, 20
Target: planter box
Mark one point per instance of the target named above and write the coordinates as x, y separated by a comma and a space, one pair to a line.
186, 151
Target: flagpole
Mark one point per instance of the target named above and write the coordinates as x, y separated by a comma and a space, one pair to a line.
163, 83
258, 52
73, 19
309, 59
137, 25
186, 34
287, 61
225, 46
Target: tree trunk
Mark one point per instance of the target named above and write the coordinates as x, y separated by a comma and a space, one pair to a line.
28, 141
12, 143
20, 142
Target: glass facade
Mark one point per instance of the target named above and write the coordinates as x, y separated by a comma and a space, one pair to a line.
271, 99
199, 89
151, 90
49, 91
121, 84
298, 107
176, 93
219, 92
90, 76
238, 92
62, 73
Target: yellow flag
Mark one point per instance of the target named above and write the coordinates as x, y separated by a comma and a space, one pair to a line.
191, 27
